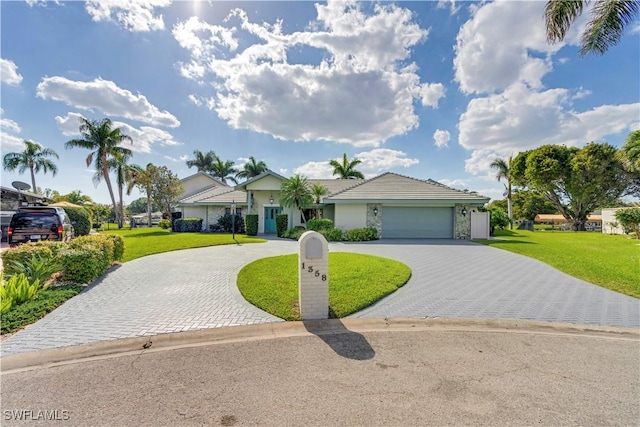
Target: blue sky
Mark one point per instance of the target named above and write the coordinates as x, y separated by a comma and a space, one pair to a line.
426, 89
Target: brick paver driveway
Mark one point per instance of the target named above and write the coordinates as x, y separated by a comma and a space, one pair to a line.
195, 289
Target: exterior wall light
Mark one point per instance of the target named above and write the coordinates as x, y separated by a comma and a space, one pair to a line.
271, 199
464, 212
375, 211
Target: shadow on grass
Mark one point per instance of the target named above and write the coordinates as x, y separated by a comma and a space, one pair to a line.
149, 234
346, 343
501, 242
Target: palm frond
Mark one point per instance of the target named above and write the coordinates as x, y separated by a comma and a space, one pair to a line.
609, 19
558, 17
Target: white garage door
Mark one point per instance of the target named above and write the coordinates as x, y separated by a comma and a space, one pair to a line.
417, 223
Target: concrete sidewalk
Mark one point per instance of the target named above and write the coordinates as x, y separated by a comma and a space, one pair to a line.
356, 372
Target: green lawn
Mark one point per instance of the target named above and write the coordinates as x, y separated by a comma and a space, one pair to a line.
610, 261
355, 282
139, 242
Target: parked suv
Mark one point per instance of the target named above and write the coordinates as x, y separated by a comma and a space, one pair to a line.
34, 223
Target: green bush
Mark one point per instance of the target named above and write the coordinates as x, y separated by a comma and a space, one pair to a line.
282, 221
81, 220
332, 235
23, 254
630, 220
82, 265
18, 289
225, 222
118, 246
251, 224
164, 224
319, 224
54, 245
360, 234
188, 225
44, 302
498, 218
294, 233
37, 269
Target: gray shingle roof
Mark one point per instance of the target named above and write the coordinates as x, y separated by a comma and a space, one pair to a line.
394, 187
335, 185
216, 195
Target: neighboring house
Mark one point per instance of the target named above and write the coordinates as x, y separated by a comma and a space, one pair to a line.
11, 200
397, 206
610, 224
594, 221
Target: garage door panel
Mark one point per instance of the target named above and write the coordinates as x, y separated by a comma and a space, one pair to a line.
417, 223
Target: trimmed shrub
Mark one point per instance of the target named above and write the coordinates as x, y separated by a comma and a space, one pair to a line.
226, 221
282, 221
360, 234
630, 220
54, 245
23, 254
251, 224
99, 244
332, 235
188, 225
82, 265
118, 246
164, 224
294, 233
81, 220
319, 224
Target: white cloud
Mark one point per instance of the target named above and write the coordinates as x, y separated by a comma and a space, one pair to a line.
132, 15
32, 3
360, 91
315, 170
441, 138
451, 4
635, 29
8, 124
143, 138
210, 103
373, 163
9, 72
105, 96
283, 171
10, 142
459, 184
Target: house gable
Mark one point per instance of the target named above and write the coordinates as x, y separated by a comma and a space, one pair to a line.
198, 182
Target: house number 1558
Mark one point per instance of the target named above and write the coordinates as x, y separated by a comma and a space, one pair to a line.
317, 272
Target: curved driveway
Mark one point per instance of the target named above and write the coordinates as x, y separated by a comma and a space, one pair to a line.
195, 289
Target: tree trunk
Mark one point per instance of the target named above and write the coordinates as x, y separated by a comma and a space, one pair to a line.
34, 189
148, 208
510, 209
121, 206
105, 174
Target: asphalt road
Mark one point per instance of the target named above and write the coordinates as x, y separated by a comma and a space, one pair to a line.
355, 372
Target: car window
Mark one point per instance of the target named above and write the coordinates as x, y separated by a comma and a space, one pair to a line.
35, 220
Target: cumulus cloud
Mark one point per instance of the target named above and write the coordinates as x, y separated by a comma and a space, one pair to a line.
143, 138
451, 4
441, 138
361, 90
8, 124
9, 141
106, 97
373, 163
9, 72
132, 15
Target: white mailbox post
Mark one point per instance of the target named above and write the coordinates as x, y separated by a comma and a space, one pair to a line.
313, 276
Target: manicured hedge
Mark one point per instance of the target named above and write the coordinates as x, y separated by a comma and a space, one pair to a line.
319, 224
332, 235
294, 233
164, 224
80, 218
282, 221
360, 234
225, 222
23, 254
118, 246
251, 224
188, 225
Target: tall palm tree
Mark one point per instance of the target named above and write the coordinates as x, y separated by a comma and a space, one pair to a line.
252, 168
295, 193
143, 179
119, 163
604, 29
318, 191
34, 157
631, 149
504, 171
223, 171
346, 169
104, 143
202, 161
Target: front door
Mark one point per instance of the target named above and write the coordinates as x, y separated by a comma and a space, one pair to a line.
270, 219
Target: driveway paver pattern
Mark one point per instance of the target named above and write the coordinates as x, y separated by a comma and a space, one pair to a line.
196, 289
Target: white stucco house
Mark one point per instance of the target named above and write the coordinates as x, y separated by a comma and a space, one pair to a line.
397, 206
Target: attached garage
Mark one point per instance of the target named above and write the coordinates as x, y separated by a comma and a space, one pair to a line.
409, 222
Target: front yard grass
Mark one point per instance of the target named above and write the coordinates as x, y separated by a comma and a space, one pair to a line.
139, 242
355, 282
610, 261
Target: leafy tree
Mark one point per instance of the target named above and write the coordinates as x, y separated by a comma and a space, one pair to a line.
139, 206
202, 161
576, 181
143, 180
498, 218
223, 170
346, 169
35, 158
630, 220
295, 193
252, 168
605, 28
527, 204
504, 171
104, 143
166, 190
318, 191
75, 197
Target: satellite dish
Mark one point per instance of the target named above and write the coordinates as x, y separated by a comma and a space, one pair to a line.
21, 186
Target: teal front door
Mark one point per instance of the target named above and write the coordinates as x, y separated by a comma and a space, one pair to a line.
270, 219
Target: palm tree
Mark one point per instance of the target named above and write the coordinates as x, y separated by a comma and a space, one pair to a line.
143, 179
346, 169
103, 141
34, 157
631, 149
203, 162
318, 191
252, 168
604, 29
504, 171
223, 171
295, 193
119, 163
